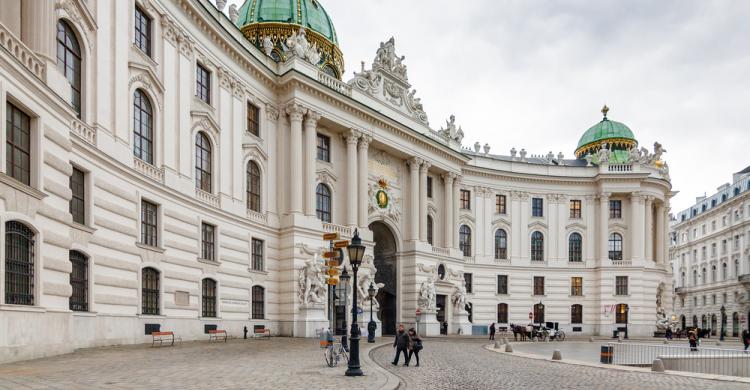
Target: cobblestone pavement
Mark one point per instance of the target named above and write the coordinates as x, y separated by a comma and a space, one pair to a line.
281, 363
465, 364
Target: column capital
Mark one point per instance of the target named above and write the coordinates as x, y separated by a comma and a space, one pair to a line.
425, 166
650, 199
604, 195
295, 111
364, 141
272, 112
312, 118
519, 195
414, 162
637, 196
351, 137
448, 177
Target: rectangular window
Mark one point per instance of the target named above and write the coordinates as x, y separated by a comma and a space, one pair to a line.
429, 187
502, 284
78, 282
502, 313
258, 302
465, 199
208, 242
18, 144
142, 31
723, 247
78, 200
538, 285
203, 84
500, 205
537, 207
257, 254
615, 209
576, 286
575, 209
576, 314
621, 285
468, 280
324, 148
149, 224
253, 124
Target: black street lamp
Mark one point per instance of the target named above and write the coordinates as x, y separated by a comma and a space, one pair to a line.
627, 319
345, 278
723, 320
371, 326
356, 252
539, 318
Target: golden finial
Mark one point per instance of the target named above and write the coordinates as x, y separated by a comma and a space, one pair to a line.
605, 110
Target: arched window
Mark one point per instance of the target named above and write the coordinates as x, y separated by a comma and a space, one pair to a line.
501, 244
703, 276
150, 291
736, 268
202, 162
695, 321
713, 273
323, 202
538, 313
723, 197
576, 314
502, 313
682, 280
430, 236
79, 282
703, 322
441, 271
19, 264
253, 186
695, 277
208, 298
69, 62
736, 191
258, 302
575, 247
464, 240
537, 246
615, 246
143, 127
621, 313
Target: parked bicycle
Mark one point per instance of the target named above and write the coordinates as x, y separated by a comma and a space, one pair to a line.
335, 353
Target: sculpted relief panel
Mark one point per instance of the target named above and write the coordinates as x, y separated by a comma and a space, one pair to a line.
384, 186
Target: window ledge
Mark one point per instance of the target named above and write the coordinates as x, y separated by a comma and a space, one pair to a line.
203, 104
23, 308
501, 295
576, 296
621, 296
83, 228
206, 261
145, 55
150, 248
541, 296
210, 319
253, 136
255, 271
28, 190
152, 316
84, 313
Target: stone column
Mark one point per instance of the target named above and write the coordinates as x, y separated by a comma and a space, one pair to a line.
414, 164
456, 209
38, 28
423, 201
514, 238
296, 112
589, 215
448, 221
649, 229
311, 123
636, 226
603, 226
364, 144
351, 137
661, 232
551, 220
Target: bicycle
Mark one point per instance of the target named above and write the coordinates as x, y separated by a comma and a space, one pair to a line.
333, 353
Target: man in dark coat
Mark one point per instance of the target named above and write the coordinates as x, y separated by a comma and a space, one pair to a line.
401, 343
746, 338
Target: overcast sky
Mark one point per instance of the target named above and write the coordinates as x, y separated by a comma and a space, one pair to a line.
534, 74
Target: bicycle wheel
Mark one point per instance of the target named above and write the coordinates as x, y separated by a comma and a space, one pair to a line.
343, 355
328, 353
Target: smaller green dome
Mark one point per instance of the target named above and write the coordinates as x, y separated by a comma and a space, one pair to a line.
306, 13
606, 131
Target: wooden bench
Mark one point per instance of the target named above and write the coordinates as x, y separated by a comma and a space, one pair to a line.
261, 331
163, 337
216, 334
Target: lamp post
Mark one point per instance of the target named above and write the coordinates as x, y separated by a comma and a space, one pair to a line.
723, 320
356, 252
345, 278
539, 319
371, 326
627, 319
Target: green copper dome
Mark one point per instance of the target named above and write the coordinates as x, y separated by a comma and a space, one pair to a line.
306, 13
615, 134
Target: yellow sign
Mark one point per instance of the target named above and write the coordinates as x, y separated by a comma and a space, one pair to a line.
332, 263
330, 255
330, 236
332, 281
341, 244
333, 271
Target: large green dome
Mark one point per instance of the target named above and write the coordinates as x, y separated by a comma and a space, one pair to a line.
306, 13
614, 134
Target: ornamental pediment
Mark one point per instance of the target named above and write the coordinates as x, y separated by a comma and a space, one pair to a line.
537, 225
575, 225
501, 220
618, 225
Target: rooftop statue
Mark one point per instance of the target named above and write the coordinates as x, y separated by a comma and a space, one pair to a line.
298, 45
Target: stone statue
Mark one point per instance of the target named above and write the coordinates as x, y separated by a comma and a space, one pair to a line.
312, 285
603, 154
267, 45
298, 45
426, 299
220, 4
234, 15
459, 297
662, 322
363, 297
658, 151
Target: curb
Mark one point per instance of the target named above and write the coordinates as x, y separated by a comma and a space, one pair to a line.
394, 381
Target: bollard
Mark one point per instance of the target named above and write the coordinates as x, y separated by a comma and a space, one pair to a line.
591, 339
556, 355
718, 343
508, 348
657, 366
497, 344
666, 341
619, 338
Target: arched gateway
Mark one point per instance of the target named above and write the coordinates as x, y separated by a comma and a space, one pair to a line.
385, 262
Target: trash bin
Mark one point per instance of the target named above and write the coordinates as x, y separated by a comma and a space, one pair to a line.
606, 354
615, 334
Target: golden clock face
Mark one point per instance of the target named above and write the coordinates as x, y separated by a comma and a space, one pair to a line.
381, 197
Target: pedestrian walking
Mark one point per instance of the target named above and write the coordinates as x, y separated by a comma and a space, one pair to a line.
693, 340
746, 338
668, 334
492, 331
415, 345
401, 343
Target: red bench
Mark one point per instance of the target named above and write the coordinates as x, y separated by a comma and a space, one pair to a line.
261, 331
216, 334
163, 337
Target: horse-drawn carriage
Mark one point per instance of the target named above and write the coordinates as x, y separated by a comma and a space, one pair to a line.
536, 333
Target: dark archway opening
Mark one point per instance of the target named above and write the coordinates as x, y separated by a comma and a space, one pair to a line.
385, 262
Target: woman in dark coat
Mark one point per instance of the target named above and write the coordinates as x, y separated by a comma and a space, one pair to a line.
415, 345
492, 331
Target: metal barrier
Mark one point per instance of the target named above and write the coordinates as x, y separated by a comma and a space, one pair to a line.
682, 358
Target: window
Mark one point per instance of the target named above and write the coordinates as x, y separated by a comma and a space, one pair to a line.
69, 62
142, 31
695, 277
149, 224
202, 162
257, 254
703, 229
466, 199
575, 247
575, 209
468, 280
538, 285
621, 313
258, 302
621, 285
501, 244
18, 144
704, 279
538, 313
253, 123
704, 300
500, 205
537, 246
19, 264
150, 291
429, 186
430, 236
502, 313
723, 247
208, 298
713, 226
253, 186
208, 241
79, 282
713, 273
615, 209
713, 299
713, 251
464, 240
203, 84
143, 127
615, 246
324, 148
78, 200
323, 203
537, 207
502, 284
576, 286
576, 314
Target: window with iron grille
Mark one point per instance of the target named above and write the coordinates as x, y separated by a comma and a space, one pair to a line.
259, 311
150, 291
18, 144
208, 241
429, 186
537, 207
324, 148
537, 246
202, 162
538, 285
430, 236
621, 313
208, 298
149, 223
468, 280
253, 122
500, 205
257, 254
538, 313
575, 247
203, 84
502, 284
621, 285
323, 203
576, 314
615, 246
501, 245
502, 313
253, 186
19, 264
576, 286
69, 62
575, 209
142, 31
79, 282
77, 203
464, 240
465, 199
615, 209
143, 127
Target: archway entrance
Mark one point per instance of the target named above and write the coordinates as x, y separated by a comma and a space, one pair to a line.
385, 262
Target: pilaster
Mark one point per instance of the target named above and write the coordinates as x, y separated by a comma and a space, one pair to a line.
448, 179
351, 137
414, 164
296, 113
603, 228
311, 131
363, 149
423, 201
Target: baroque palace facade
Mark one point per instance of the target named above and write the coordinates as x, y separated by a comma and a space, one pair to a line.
173, 165
710, 256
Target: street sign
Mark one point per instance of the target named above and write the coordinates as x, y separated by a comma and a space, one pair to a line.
332, 281
330, 236
332, 263
330, 255
341, 244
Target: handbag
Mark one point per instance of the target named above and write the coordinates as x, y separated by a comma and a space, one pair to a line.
418, 345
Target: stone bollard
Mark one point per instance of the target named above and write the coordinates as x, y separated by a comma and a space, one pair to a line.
508, 348
497, 344
556, 355
619, 338
666, 341
718, 343
657, 366
505, 340
591, 339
